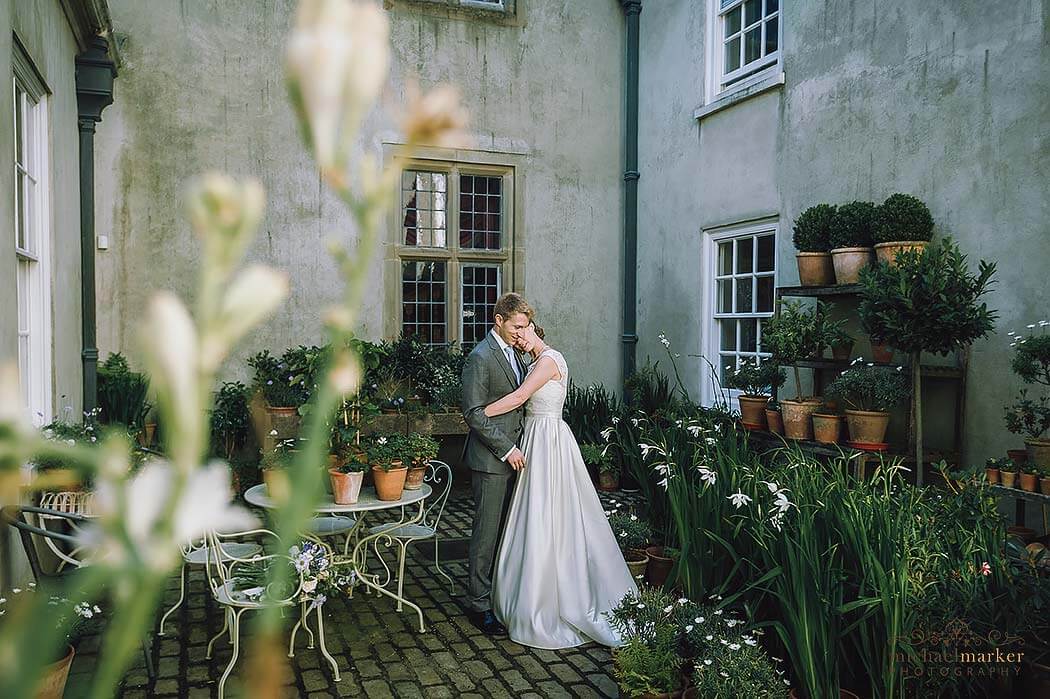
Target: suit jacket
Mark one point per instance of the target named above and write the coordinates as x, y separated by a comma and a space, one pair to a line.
487, 377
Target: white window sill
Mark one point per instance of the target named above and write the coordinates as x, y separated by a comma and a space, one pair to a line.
728, 99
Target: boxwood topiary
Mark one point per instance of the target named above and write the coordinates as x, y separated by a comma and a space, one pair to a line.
813, 227
903, 217
854, 225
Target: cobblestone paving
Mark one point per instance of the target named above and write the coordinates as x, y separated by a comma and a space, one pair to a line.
379, 650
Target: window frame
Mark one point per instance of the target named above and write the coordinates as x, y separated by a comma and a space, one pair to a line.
33, 260
455, 257
771, 64
710, 331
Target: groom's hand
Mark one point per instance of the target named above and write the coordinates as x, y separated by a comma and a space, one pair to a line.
516, 459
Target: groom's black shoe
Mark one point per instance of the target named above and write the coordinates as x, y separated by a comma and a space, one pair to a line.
487, 623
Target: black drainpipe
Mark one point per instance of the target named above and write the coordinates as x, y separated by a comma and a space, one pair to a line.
631, 9
94, 80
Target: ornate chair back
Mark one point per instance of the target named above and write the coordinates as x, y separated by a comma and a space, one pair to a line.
439, 478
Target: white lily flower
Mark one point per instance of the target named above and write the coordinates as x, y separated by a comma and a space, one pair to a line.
707, 475
694, 430
739, 499
170, 343
607, 433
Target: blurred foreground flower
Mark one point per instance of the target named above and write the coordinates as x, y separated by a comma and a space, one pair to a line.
225, 213
437, 118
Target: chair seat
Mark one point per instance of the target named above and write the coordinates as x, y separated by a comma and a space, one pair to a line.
198, 557
228, 596
330, 526
405, 531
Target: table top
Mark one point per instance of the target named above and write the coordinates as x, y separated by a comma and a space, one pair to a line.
256, 495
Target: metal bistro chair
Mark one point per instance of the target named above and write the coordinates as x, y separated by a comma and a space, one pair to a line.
221, 571
427, 528
16, 517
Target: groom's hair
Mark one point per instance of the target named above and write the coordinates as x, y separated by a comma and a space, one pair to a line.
511, 303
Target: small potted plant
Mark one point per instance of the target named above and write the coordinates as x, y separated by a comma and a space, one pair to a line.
1029, 477
1008, 474
811, 238
1031, 417
1044, 481
903, 222
598, 458
755, 381
869, 392
276, 383
392, 395
1031, 362
993, 467
827, 425
384, 456
774, 419
792, 336
852, 240
419, 449
274, 466
346, 478
632, 534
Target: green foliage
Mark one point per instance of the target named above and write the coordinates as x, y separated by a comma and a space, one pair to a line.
812, 231
277, 379
383, 451
1031, 359
929, 301
419, 448
632, 532
1028, 416
281, 456
870, 388
648, 667
352, 465
122, 393
755, 379
903, 217
794, 334
230, 419
1003, 463
738, 670
649, 391
854, 225
588, 411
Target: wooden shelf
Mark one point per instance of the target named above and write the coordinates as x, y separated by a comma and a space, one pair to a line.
1037, 498
928, 370
837, 290
930, 456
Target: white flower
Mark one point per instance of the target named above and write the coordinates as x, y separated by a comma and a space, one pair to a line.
734, 646
773, 487
664, 341
623, 533
607, 433
699, 620
750, 641
668, 609
739, 499
718, 612
634, 421
615, 420
707, 661
682, 600
782, 503
252, 296
711, 441
647, 448
1030, 326
640, 605
662, 483
709, 637
634, 518
694, 430
16, 590
381, 440
707, 475
309, 585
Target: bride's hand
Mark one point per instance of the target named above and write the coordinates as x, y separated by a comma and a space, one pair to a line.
528, 339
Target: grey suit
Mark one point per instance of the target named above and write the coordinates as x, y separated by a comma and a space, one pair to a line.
487, 377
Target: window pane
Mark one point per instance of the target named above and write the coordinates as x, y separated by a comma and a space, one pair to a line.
753, 45
732, 60
752, 12
732, 22
20, 211
480, 289
424, 205
771, 36
725, 258
19, 125
728, 333
744, 295
765, 295
423, 301
772, 6
766, 254
480, 222
744, 255
725, 362
748, 335
725, 296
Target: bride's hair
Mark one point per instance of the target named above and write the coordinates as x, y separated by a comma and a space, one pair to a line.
538, 329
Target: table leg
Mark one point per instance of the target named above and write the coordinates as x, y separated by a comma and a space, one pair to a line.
324, 648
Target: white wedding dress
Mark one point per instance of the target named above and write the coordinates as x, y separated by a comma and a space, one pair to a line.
559, 567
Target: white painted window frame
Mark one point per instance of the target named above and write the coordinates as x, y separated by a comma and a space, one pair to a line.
770, 67
33, 262
709, 299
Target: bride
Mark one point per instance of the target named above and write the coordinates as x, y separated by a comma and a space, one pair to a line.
559, 568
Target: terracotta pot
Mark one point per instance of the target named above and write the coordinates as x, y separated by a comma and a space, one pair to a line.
414, 477
637, 561
849, 262
145, 435
659, 566
52, 683
867, 426
775, 421
278, 488
881, 352
1029, 482
796, 415
1009, 478
1038, 452
815, 269
285, 421
827, 429
992, 474
841, 353
346, 487
1044, 486
608, 481
753, 411
1018, 456
390, 484
887, 252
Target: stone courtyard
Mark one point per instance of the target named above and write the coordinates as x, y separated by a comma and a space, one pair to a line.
379, 650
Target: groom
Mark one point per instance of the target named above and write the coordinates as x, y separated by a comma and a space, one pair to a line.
491, 451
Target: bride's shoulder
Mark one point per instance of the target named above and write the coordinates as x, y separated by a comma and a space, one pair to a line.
554, 354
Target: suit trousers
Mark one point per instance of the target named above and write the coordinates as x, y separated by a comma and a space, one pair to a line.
492, 496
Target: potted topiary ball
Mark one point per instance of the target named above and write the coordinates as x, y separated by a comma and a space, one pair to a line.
852, 238
902, 223
792, 335
810, 235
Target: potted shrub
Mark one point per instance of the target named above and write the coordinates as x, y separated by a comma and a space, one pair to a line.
598, 458
1032, 419
1008, 474
869, 392
791, 336
827, 426
903, 222
274, 381
346, 479
230, 419
928, 302
384, 457
811, 238
122, 395
1031, 362
755, 380
274, 467
1029, 477
993, 467
852, 240
773, 417
632, 534
418, 450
